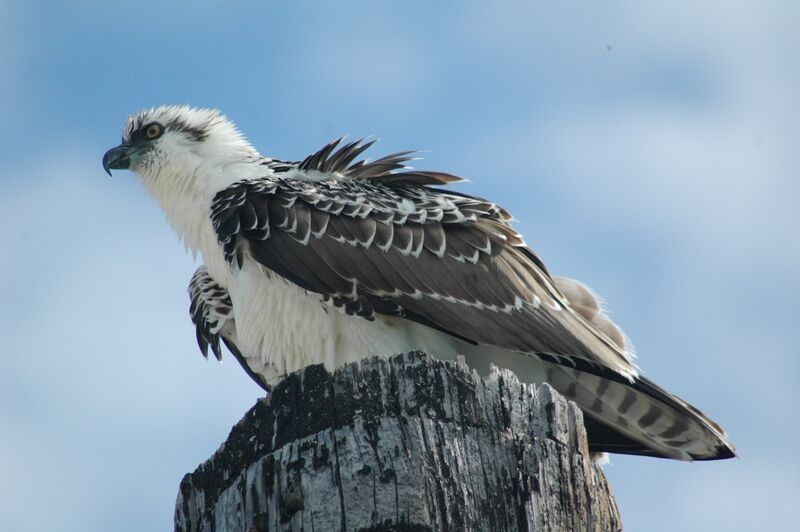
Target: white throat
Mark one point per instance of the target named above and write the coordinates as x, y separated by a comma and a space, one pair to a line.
185, 185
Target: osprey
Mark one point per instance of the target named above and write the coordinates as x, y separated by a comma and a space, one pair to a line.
335, 258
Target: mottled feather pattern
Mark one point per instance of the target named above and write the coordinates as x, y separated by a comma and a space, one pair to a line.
258, 204
212, 314
391, 220
381, 245
210, 307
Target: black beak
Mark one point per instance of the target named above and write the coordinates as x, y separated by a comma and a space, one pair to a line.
117, 159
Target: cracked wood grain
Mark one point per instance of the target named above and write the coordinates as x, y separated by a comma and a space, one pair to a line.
404, 443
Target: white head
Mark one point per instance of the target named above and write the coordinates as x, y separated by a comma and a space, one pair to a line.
184, 156
173, 147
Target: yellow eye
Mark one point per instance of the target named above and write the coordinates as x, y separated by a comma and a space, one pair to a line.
153, 131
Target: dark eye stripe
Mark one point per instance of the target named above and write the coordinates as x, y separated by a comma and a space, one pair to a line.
150, 131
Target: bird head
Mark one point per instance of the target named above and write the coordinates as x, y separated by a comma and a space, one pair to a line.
183, 156
179, 143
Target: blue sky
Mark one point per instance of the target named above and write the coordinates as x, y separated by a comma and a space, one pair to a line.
647, 149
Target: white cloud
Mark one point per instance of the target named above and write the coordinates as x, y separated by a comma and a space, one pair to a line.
368, 66
703, 180
716, 169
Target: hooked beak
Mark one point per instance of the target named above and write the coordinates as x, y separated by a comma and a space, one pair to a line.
117, 158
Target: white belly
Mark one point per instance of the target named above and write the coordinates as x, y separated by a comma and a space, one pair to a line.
281, 328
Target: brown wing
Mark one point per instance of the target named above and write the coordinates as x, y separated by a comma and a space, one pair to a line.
449, 261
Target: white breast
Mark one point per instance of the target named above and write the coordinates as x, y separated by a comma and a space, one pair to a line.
281, 328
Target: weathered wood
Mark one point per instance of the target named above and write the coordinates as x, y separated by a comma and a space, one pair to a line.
406, 443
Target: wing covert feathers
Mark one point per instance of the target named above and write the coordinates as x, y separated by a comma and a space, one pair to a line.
448, 260
372, 239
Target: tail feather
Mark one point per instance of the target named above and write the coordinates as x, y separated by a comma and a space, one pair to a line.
640, 417
629, 415
621, 415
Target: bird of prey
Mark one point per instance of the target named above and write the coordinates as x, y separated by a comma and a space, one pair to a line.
335, 258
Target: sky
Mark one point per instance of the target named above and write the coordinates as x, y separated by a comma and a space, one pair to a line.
648, 149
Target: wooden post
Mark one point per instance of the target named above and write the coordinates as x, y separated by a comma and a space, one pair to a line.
405, 443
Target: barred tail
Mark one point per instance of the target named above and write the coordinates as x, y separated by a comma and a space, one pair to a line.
640, 417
